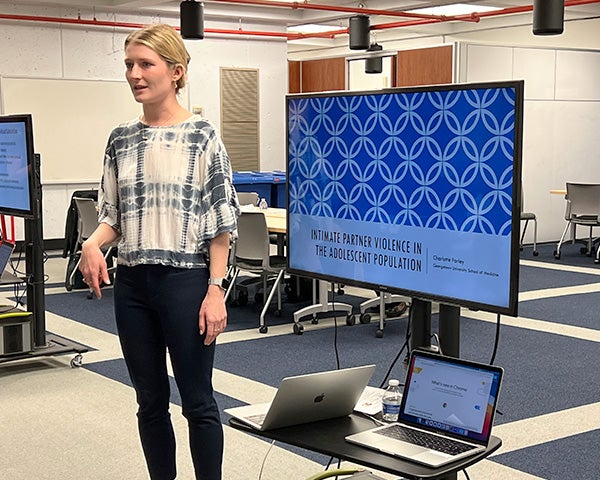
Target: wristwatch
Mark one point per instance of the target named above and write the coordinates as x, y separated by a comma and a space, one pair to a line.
223, 283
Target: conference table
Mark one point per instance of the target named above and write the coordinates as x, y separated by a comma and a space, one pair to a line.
276, 220
328, 437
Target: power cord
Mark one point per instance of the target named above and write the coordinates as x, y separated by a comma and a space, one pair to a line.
262, 466
496, 340
405, 345
335, 328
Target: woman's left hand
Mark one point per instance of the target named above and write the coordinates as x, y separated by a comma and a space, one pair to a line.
213, 314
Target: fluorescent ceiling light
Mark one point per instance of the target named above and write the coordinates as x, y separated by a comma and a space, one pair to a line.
454, 9
312, 28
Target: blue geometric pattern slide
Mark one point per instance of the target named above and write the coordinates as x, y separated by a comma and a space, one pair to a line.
440, 160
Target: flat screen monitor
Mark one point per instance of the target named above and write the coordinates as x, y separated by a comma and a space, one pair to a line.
17, 165
411, 190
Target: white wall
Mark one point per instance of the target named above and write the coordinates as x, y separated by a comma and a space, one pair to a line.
562, 98
40, 50
561, 115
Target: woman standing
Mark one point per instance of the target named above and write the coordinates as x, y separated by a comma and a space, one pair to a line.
167, 196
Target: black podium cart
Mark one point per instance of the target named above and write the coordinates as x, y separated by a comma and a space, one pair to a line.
328, 437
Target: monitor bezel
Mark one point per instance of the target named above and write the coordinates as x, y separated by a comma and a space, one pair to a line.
511, 308
26, 120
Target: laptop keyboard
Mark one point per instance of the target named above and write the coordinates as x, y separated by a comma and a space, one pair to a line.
257, 419
424, 439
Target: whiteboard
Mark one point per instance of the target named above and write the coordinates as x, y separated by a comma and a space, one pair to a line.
71, 121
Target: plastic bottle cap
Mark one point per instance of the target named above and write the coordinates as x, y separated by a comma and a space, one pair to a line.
394, 383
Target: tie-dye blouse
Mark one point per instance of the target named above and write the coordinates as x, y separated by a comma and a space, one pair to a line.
168, 191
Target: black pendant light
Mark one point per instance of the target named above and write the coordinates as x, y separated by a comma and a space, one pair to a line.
359, 32
374, 64
191, 19
548, 17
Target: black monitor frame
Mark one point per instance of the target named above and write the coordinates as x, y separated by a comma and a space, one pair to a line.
511, 306
26, 123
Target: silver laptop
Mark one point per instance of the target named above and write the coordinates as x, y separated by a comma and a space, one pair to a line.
308, 398
446, 414
6, 249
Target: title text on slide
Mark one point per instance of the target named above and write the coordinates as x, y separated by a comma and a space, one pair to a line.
358, 248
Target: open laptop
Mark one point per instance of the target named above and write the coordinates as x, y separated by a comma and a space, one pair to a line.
308, 398
6, 250
446, 400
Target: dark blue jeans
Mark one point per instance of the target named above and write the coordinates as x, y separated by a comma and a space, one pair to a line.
156, 309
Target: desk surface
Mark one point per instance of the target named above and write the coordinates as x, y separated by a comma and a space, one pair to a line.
276, 219
328, 437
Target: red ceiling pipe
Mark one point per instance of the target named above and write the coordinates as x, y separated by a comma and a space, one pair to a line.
335, 8
292, 36
101, 23
476, 16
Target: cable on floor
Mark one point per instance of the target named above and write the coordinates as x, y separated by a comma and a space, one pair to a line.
404, 345
262, 466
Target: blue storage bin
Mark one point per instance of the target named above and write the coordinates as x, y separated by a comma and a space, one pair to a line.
269, 185
254, 182
279, 189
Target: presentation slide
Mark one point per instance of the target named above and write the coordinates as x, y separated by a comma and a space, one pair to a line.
410, 191
14, 180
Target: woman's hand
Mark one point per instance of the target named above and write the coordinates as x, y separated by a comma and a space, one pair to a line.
213, 314
93, 267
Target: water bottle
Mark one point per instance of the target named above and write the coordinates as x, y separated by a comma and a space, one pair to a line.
263, 205
391, 401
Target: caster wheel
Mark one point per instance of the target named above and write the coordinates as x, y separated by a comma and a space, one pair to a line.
89, 296
350, 320
69, 287
77, 361
584, 251
258, 298
535, 253
520, 249
242, 299
556, 254
277, 313
314, 321
379, 333
365, 318
341, 291
263, 329
298, 328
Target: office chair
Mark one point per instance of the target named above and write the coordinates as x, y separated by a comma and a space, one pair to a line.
252, 254
381, 301
354, 473
527, 217
583, 208
87, 222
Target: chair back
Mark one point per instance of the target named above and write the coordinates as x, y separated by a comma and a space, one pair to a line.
583, 200
87, 217
248, 198
252, 245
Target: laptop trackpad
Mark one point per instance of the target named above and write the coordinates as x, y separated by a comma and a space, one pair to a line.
399, 447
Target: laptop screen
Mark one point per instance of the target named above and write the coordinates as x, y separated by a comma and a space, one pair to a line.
451, 395
6, 249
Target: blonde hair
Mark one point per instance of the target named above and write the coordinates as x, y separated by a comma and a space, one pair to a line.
167, 43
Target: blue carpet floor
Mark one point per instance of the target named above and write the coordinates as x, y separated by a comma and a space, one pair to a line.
544, 372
